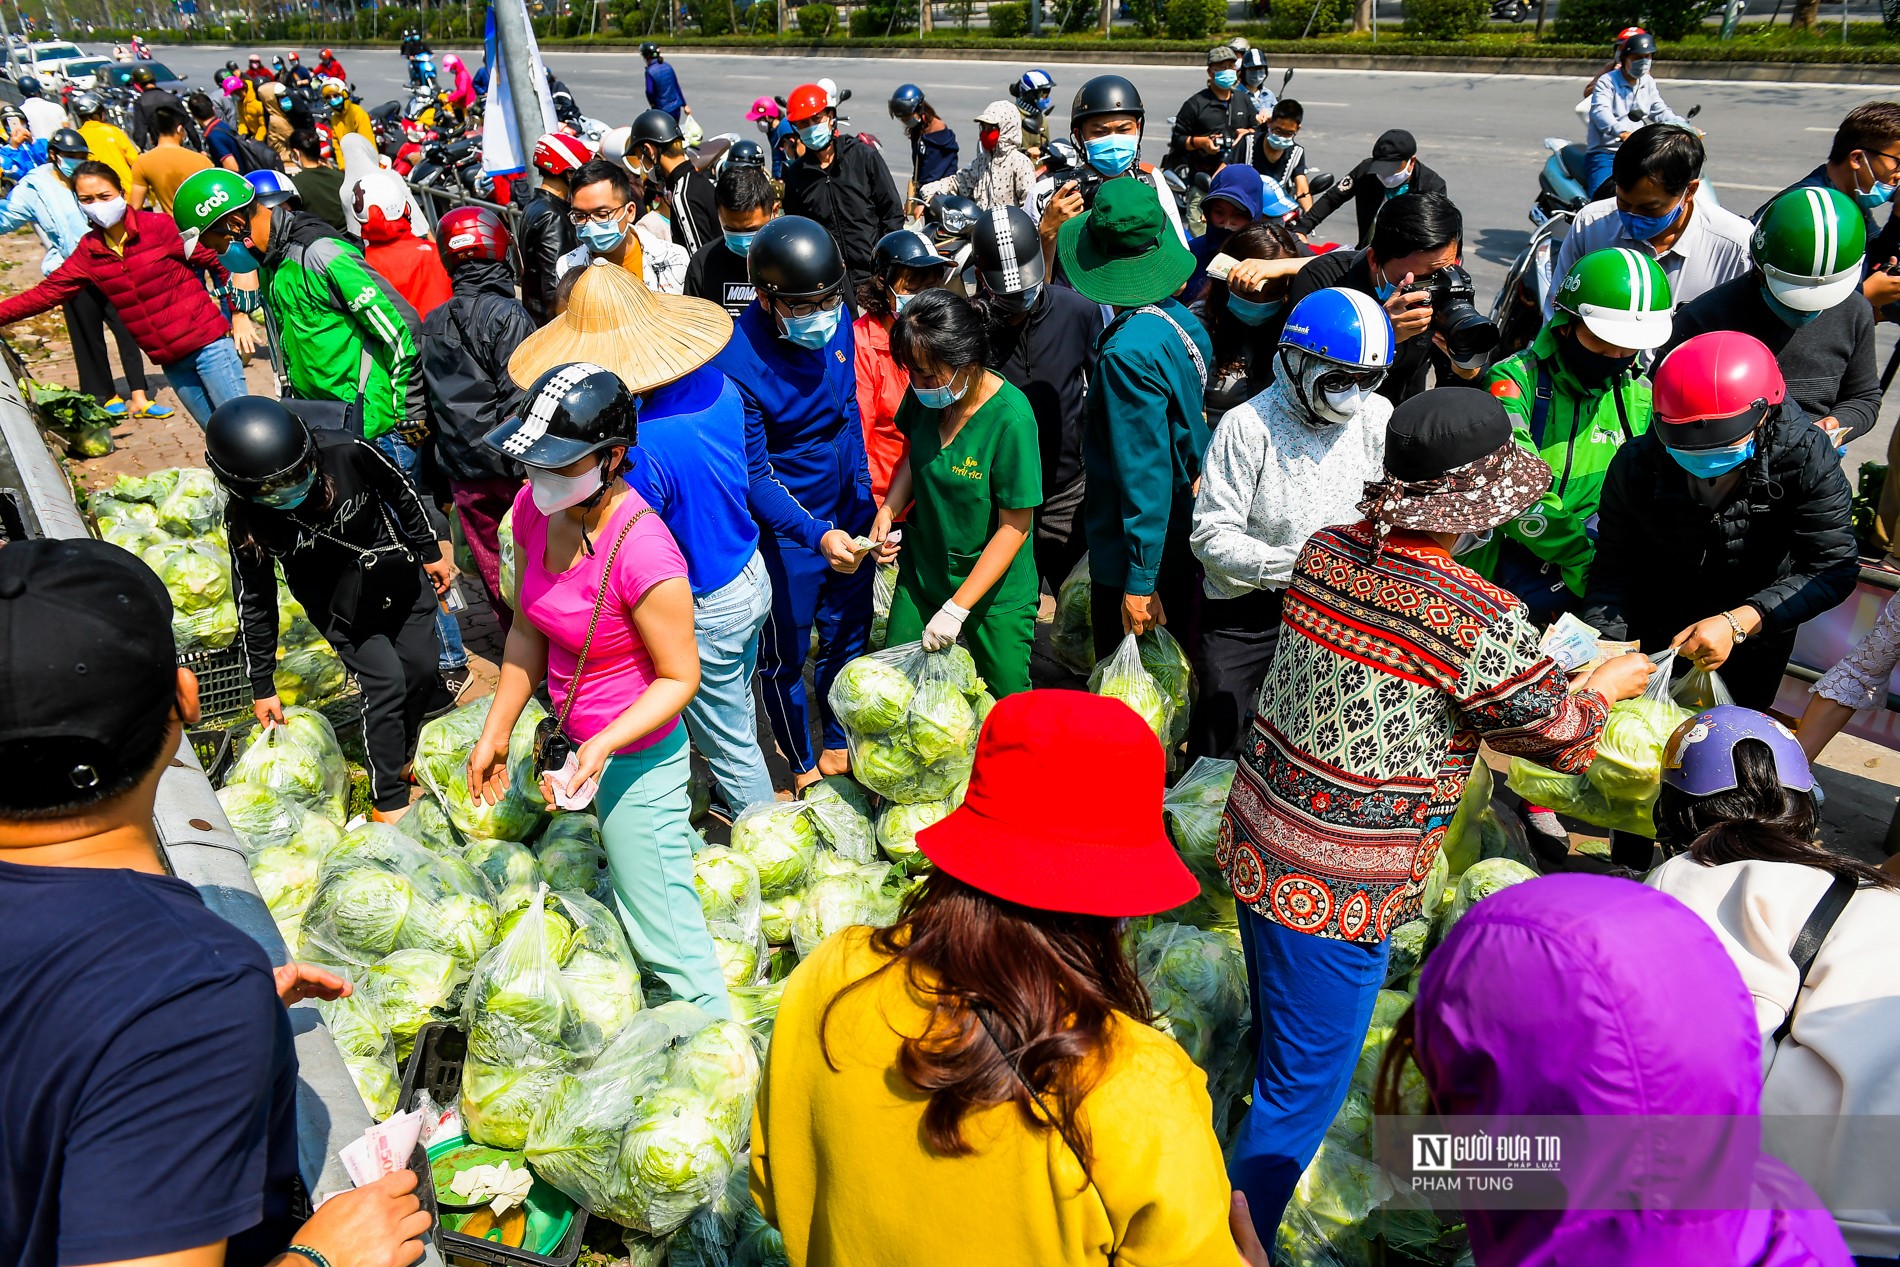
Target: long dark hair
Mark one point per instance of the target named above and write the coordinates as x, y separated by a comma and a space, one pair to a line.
1012, 990
1264, 239
942, 329
1758, 820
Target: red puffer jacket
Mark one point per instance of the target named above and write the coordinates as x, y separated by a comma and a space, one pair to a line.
164, 303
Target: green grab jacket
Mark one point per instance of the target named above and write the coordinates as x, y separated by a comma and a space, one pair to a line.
1582, 431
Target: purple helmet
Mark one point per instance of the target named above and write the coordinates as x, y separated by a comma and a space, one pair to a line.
1700, 757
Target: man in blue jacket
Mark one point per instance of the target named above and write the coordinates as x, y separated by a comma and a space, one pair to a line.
663, 86
1144, 431
791, 359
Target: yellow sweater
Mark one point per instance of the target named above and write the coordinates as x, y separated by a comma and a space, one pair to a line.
352, 118
840, 1167
111, 146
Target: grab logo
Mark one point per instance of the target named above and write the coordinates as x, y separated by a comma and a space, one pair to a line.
217, 199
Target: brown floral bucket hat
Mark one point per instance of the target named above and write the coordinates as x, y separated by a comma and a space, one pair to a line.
1452, 466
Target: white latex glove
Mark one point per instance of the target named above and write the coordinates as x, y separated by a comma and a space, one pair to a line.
944, 626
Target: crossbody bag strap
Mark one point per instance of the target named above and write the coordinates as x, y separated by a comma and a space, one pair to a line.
593, 621
1540, 407
1807, 944
1200, 366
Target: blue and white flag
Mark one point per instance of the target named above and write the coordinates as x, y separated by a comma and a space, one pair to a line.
501, 154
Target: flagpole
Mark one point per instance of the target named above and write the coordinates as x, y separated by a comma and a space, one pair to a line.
512, 34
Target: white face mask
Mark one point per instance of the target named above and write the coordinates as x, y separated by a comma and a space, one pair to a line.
1341, 406
554, 492
1469, 541
105, 214
1397, 178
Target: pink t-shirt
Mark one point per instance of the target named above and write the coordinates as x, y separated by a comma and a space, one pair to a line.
619, 669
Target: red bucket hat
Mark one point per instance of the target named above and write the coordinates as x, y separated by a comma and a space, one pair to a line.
1064, 811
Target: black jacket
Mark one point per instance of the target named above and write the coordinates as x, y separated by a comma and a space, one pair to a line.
545, 236
1415, 359
371, 498
1367, 195
719, 274
1050, 358
855, 199
143, 125
1781, 540
695, 212
1204, 114
466, 344
1829, 363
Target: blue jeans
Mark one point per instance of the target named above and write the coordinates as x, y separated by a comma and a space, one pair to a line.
806, 593
643, 808
1596, 170
451, 654
722, 719
1312, 1002
207, 378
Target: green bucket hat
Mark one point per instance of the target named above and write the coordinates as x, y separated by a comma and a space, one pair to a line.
1123, 251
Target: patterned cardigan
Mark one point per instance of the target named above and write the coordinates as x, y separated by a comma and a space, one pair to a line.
1392, 665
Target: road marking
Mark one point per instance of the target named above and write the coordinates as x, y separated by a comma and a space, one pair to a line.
1736, 184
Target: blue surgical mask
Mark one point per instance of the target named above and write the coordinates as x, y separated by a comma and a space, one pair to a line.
1112, 155
900, 302
67, 166
1793, 318
1639, 68
815, 329
1879, 196
939, 397
817, 136
1643, 228
1382, 288
1275, 141
1226, 78
292, 497
1709, 463
601, 238
1253, 312
740, 243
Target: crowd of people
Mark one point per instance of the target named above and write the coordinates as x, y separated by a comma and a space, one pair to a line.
703, 404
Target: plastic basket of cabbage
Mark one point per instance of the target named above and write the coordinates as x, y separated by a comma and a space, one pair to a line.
651, 1131
842, 814
911, 717
542, 1003
379, 892
1150, 674
441, 765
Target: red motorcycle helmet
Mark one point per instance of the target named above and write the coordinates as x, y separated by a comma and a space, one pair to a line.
1715, 389
471, 233
807, 101
558, 153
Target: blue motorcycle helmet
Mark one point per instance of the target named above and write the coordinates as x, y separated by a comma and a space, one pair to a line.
1335, 350
273, 189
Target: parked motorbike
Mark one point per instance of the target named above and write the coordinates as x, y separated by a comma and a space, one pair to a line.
453, 165
1511, 10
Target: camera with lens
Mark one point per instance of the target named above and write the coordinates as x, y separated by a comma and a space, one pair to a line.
1468, 333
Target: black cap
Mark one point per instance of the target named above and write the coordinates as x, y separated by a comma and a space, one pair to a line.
1443, 429
1394, 148
88, 673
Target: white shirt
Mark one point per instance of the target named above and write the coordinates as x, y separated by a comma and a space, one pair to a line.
43, 118
1831, 1089
662, 262
1712, 250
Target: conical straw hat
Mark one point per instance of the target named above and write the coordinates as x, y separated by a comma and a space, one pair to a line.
614, 321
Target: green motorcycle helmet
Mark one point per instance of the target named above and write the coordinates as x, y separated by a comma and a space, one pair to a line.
1809, 246
209, 196
1621, 296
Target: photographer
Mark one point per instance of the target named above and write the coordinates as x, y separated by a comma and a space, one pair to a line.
1209, 122
1391, 172
1411, 267
1106, 121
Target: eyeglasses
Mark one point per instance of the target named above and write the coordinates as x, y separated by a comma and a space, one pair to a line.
808, 307
1284, 136
603, 215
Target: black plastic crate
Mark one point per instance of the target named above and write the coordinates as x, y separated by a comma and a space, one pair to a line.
224, 688
214, 749
435, 1066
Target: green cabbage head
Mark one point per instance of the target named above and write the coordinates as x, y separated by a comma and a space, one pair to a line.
779, 838
871, 694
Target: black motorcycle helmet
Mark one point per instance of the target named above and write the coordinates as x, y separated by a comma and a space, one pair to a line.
952, 216
1006, 249
572, 412
649, 50
29, 86
258, 448
1253, 68
1105, 94
654, 127
745, 154
794, 259
1642, 44
1059, 154
70, 142
904, 248
231, 67
144, 77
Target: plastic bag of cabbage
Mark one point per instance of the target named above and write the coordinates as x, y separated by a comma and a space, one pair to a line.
309, 674
883, 590
1578, 797
911, 717
1151, 675
197, 575
1484, 878
781, 839
572, 858
509, 577
379, 892
728, 886
1197, 982
899, 823
653, 1129
284, 845
1072, 637
729, 1232
1192, 810
315, 779
1325, 1224
441, 765
841, 894
556, 987
842, 814
313, 730
362, 1036
193, 505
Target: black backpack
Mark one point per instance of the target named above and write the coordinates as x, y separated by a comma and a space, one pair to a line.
253, 156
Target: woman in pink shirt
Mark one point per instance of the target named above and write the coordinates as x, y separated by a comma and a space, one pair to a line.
903, 264
606, 615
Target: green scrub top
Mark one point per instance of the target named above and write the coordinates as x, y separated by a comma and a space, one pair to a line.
993, 464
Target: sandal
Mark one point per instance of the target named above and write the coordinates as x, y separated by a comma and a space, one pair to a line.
155, 410
116, 407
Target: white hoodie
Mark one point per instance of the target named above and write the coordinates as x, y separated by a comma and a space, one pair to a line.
1003, 177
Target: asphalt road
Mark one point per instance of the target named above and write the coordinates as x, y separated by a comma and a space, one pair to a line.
1482, 133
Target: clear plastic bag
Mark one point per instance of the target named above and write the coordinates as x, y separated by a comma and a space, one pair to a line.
1484, 878
897, 827
781, 840
1125, 677
1628, 763
1576, 796
265, 818
1463, 844
196, 574
1193, 809
598, 966
441, 765
277, 760
379, 892
883, 590
1700, 689
1072, 636
309, 674
911, 718
841, 811
314, 731
850, 894
412, 988
572, 856
728, 886
756, 1006
511, 868
1197, 982
652, 1131
193, 505
361, 1033
509, 578
1325, 1222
